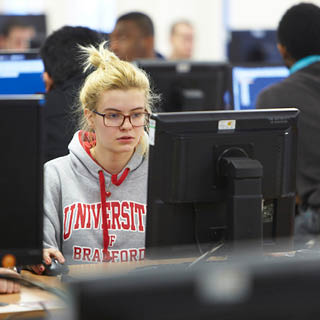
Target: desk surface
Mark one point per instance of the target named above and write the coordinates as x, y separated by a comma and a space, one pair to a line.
31, 302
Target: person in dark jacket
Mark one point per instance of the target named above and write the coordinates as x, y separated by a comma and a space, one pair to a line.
63, 77
299, 45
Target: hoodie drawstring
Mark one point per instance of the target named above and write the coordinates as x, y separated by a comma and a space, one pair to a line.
115, 180
103, 196
106, 253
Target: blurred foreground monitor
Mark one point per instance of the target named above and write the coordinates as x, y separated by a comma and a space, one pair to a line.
267, 288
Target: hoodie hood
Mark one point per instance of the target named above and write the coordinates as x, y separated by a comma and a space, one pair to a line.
85, 165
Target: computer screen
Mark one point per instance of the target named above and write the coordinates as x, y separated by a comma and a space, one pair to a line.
221, 176
253, 46
37, 21
249, 80
21, 179
189, 86
21, 73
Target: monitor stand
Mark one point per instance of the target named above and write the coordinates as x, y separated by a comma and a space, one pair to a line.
244, 204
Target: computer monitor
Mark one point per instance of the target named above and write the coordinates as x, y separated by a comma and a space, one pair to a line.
21, 73
277, 288
37, 21
248, 80
221, 176
21, 161
253, 46
189, 85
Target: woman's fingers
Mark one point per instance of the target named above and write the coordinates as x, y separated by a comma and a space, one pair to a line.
38, 269
50, 253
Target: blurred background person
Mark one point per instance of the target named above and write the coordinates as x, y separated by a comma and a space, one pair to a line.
133, 37
181, 40
16, 35
63, 76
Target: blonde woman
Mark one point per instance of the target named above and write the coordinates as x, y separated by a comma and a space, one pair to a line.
95, 197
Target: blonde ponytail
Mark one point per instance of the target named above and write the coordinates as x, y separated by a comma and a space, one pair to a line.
97, 57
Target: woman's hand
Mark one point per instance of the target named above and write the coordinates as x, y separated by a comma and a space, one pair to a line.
7, 286
48, 254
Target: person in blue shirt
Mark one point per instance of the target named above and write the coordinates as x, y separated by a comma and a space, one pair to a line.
299, 44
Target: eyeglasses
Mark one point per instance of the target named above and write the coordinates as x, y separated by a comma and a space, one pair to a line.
117, 119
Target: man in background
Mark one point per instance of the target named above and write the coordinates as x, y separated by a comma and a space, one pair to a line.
63, 77
133, 37
181, 40
299, 45
16, 35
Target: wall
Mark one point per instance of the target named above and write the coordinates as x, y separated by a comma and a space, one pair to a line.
258, 14
212, 18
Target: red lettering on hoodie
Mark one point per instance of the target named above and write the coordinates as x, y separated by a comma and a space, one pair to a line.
115, 215
140, 208
133, 227
123, 255
112, 240
96, 210
68, 222
81, 216
77, 253
133, 254
108, 207
141, 253
96, 255
125, 215
86, 254
88, 226
114, 255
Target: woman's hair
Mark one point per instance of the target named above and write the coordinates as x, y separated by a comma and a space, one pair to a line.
110, 73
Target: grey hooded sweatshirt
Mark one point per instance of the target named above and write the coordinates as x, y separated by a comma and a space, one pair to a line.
90, 215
